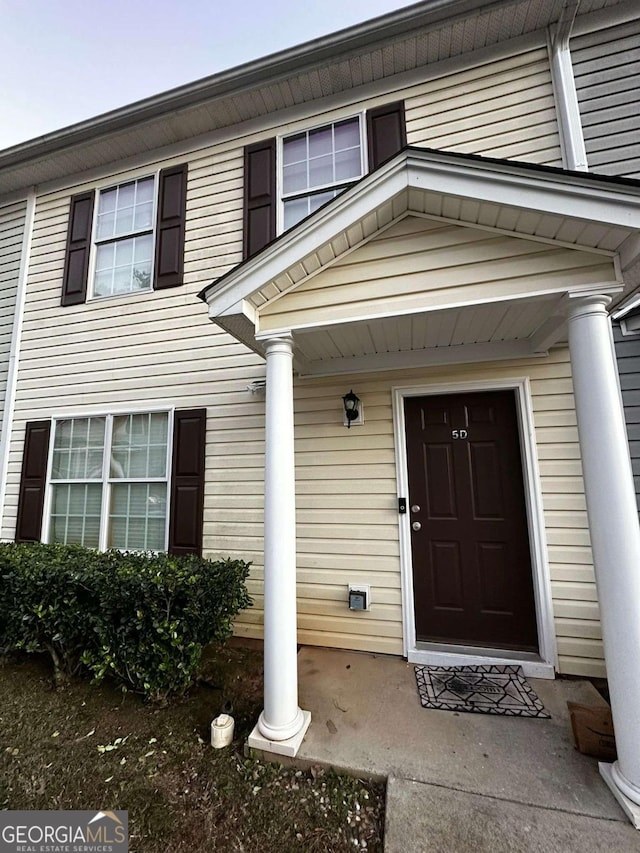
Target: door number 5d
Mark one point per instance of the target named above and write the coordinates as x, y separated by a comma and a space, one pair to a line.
459, 433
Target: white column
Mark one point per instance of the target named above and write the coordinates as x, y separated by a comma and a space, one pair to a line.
281, 719
613, 524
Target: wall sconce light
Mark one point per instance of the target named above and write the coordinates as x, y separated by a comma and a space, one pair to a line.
351, 404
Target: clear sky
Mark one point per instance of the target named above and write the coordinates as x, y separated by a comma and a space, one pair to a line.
62, 61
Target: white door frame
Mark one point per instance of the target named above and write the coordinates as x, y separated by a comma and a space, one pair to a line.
542, 665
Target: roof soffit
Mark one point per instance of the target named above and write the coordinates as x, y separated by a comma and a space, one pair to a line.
386, 46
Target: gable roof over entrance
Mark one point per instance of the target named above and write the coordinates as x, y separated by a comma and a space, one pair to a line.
584, 228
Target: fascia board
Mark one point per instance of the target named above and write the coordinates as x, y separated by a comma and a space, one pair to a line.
561, 194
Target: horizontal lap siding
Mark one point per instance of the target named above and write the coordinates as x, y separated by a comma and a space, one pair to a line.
155, 348
348, 519
504, 108
628, 357
12, 224
407, 269
606, 67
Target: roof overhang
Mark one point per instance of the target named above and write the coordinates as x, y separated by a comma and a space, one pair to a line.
563, 209
414, 37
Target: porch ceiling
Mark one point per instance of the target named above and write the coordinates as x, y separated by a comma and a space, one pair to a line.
490, 331
561, 210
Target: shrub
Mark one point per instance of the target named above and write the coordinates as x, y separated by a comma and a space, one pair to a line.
141, 618
48, 601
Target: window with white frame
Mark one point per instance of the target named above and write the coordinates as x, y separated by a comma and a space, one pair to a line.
109, 479
124, 239
317, 164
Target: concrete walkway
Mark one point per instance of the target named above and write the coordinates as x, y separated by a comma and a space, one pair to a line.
459, 782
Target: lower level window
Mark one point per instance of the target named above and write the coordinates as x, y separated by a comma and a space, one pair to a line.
109, 481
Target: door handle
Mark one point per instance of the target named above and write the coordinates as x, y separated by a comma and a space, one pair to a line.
416, 525
415, 508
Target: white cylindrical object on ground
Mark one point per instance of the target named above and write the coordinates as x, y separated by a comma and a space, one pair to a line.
222, 731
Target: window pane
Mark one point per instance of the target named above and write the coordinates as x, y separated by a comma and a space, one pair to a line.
317, 200
347, 134
78, 449
106, 226
75, 517
320, 141
107, 203
295, 177
137, 518
124, 253
347, 165
143, 216
295, 210
105, 257
144, 190
124, 267
124, 220
139, 446
294, 149
321, 171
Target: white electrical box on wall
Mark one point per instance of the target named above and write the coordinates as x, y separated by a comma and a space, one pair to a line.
359, 596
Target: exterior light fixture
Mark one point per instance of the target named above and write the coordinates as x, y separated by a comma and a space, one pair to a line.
351, 403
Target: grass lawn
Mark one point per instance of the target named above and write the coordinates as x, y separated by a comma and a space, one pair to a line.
90, 747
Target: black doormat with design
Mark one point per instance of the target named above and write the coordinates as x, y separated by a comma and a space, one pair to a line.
478, 690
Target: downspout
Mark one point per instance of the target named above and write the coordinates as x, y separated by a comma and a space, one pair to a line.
14, 352
574, 154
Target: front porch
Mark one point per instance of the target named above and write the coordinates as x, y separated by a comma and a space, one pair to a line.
440, 259
459, 782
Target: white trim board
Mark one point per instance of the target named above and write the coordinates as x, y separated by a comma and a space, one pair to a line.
423, 653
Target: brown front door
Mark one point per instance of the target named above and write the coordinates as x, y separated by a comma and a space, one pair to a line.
472, 578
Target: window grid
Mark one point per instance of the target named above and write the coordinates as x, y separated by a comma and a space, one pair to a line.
305, 181
149, 424
123, 238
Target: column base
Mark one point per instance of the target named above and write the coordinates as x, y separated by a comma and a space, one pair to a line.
631, 809
289, 747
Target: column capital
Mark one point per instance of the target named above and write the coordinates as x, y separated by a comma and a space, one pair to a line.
279, 343
590, 303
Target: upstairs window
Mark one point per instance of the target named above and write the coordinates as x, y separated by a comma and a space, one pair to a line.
285, 180
317, 164
124, 238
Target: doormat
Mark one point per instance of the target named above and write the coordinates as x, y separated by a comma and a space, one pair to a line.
479, 690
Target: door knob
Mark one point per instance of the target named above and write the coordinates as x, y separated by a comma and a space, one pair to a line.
415, 508
416, 525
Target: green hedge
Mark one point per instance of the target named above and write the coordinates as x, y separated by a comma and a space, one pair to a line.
141, 618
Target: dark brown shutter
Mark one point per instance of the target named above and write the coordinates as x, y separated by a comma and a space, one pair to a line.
76, 265
172, 210
259, 196
386, 132
187, 482
33, 481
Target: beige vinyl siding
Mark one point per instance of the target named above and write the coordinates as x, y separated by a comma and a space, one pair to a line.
405, 269
152, 349
12, 225
503, 108
606, 68
347, 508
